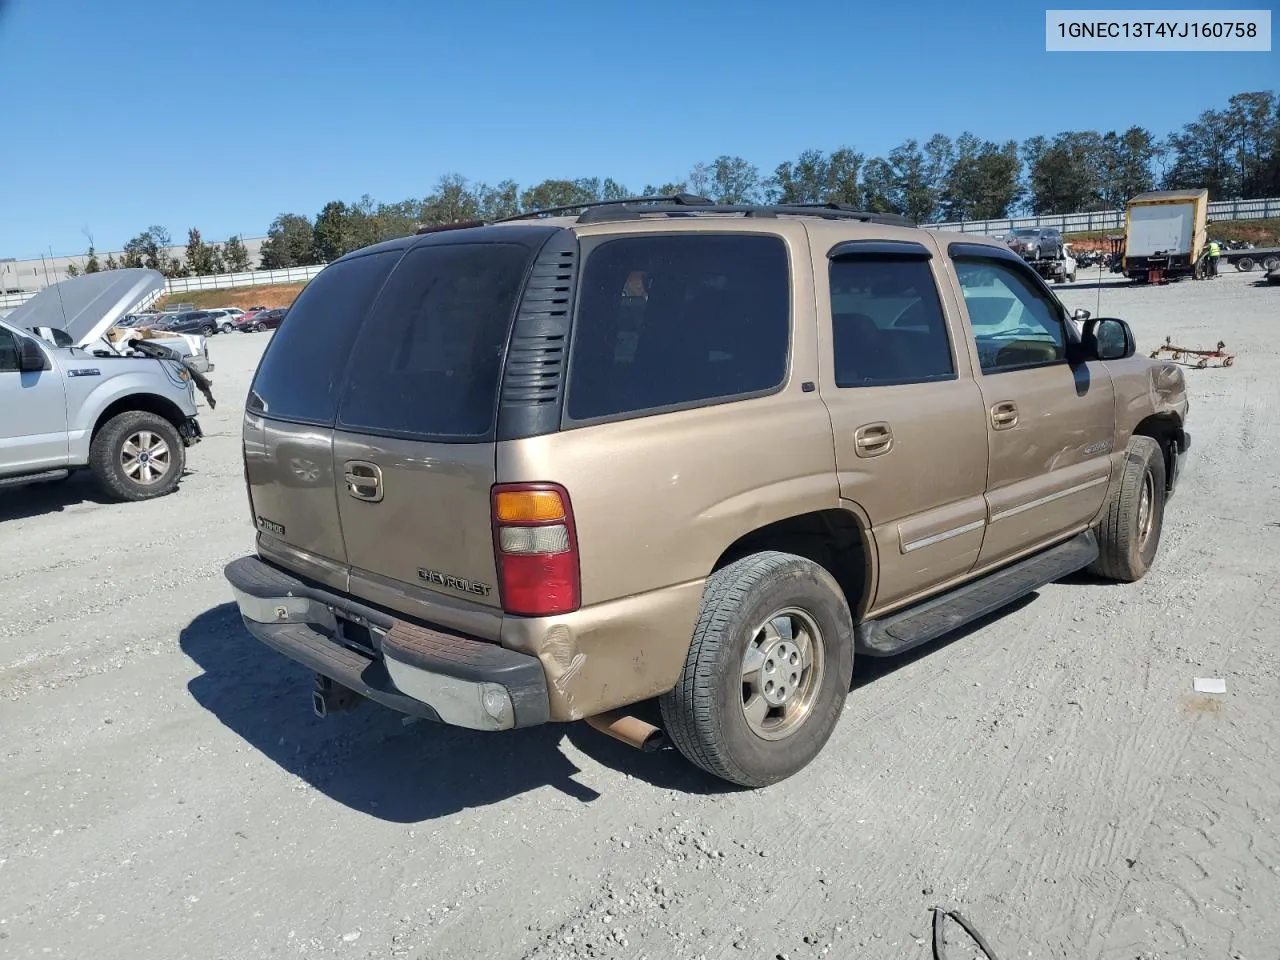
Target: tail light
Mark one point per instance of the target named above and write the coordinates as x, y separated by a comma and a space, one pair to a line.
536, 548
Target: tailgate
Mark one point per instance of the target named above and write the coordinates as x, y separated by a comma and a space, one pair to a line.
414, 440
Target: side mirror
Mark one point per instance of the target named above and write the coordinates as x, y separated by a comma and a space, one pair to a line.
30, 357
1082, 315
1108, 338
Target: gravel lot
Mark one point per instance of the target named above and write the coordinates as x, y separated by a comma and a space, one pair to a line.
166, 792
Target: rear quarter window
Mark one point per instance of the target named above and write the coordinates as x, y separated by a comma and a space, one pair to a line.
666, 322
301, 372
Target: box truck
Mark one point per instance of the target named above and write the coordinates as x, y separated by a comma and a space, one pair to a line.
1165, 235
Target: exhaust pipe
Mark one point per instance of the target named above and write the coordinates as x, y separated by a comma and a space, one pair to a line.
630, 730
330, 697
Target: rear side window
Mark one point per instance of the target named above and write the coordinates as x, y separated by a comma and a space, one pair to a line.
671, 321
886, 322
428, 361
301, 372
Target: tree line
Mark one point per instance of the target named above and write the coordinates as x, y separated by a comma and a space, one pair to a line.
1234, 152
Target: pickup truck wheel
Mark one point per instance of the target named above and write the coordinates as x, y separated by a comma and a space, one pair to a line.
1270, 263
137, 456
767, 673
1129, 533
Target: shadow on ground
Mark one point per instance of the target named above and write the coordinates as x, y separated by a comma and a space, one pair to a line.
370, 760
37, 499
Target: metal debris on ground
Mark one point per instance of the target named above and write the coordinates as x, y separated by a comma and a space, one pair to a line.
1209, 685
1219, 353
939, 915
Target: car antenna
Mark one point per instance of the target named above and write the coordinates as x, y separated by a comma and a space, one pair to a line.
61, 306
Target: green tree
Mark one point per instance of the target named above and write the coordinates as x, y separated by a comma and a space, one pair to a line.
1066, 175
332, 235
877, 186
553, 193
288, 243
734, 180
73, 269
1125, 168
913, 191
91, 264
200, 261
237, 255
452, 201
1204, 155
150, 249
501, 200
111, 263
217, 262
665, 190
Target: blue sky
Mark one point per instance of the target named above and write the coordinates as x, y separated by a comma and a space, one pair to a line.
114, 116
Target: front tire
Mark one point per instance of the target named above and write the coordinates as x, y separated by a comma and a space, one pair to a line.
137, 456
767, 673
227, 328
1129, 532
259, 327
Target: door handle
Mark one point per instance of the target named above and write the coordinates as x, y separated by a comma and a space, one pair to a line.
364, 480
873, 439
1004, 414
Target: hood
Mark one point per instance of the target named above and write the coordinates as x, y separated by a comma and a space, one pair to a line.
87, 307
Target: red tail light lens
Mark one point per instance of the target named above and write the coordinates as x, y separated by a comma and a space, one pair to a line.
536, 547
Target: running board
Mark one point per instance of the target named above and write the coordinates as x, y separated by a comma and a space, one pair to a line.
930, 619
34, 478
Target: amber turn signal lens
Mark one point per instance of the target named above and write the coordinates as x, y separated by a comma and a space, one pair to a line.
528, 506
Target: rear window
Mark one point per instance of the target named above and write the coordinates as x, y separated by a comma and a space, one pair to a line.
428, 361
301, 372
665, 322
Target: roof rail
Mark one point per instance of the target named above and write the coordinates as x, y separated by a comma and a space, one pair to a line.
685, 205
678, 199
827, 211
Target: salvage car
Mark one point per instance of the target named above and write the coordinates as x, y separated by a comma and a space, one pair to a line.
126, 415
543, 469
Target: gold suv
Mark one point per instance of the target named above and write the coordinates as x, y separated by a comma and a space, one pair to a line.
544, 469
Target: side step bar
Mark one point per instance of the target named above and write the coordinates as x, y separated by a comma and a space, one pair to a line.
44, 477
932, 618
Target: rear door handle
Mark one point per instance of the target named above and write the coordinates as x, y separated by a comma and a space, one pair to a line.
873, 439
364, 480
1004, 414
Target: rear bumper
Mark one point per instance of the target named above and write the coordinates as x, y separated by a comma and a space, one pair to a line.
409, 667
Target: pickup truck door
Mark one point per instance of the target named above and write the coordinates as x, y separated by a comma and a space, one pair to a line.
907, 416
1050, 422
33, 411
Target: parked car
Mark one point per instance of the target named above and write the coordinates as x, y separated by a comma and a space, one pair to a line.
542, 470
126, 419
225, 318
195, 321
1035, 243
262, 320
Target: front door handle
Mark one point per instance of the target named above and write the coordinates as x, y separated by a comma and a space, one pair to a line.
1004, 415
873, 439
364, 480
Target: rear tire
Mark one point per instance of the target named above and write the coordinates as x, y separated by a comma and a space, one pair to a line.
259, 327
767, 673
1129, 532
208, 330
1244, 264
137, 456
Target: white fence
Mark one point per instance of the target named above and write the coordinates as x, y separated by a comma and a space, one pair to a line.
253, 278
1110, 219
220, 281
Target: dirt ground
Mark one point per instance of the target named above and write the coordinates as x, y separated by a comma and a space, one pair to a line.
273, 296
165, 791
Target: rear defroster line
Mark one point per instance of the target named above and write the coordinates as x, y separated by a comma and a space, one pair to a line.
939, 916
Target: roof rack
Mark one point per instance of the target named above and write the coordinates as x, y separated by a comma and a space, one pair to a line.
677, 199
687, 205
827, 211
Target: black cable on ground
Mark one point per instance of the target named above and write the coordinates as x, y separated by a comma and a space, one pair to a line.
939, 916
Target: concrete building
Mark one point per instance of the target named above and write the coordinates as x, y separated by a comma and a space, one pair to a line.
30, 276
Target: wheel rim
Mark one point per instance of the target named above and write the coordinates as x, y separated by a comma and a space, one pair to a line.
146, 457
782, 671
1146, 509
